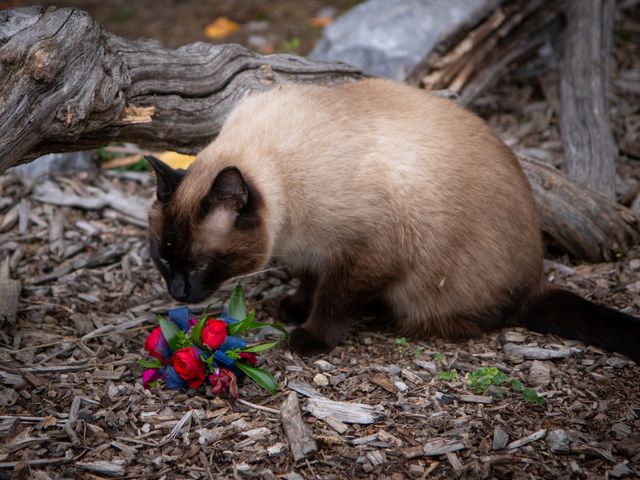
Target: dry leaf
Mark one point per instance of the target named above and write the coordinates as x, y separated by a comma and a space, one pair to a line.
267, 49
320, 21
176, 160
221, 27
49, 421
121, 162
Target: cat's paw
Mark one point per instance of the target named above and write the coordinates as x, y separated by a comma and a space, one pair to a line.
305, 343
293, 311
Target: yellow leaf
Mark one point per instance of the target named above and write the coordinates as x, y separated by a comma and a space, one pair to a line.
176, 160
320, 21
221, 27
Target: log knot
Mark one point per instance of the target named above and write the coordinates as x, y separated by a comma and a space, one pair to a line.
267, 76
45, 63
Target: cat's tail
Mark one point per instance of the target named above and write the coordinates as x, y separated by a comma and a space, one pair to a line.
568, 315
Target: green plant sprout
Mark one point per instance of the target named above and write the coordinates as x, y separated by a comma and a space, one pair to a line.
484, 378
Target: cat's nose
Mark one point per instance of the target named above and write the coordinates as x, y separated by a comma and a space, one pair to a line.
178, 288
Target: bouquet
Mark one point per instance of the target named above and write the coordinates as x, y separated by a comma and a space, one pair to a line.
192, 351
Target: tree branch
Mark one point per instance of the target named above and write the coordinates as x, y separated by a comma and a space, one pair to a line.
69, 85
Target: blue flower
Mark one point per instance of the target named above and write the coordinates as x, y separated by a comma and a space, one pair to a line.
181, 316
173, 380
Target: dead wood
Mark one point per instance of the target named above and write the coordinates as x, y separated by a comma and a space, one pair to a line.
301, 441
467, 63
589, 148
9, 294
71, 86
585, 223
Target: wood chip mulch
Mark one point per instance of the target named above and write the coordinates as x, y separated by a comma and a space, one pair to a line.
72, 404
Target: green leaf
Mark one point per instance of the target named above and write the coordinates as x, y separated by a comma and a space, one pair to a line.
242, 325
238, 304
249, 324
516, 385
183, 340
261, 347
170, 332
401, 341
448, 376
439, 357
529, 395
208, 360
261, 377
233, 354
149, 363
500, 378
196, 331
205, 312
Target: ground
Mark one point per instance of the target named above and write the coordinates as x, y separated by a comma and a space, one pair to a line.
72, 404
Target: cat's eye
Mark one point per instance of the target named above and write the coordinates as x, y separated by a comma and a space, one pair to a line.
201, 267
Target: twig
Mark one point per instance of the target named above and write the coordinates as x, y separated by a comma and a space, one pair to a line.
76, 340
258, 407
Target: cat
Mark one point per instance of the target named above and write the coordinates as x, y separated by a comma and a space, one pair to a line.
379, 197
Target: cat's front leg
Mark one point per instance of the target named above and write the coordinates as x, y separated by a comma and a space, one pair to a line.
343, 290
295, 309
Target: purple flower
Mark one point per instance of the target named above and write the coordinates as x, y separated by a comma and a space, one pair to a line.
150, 375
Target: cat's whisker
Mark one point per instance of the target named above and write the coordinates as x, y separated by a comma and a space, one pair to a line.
248, 275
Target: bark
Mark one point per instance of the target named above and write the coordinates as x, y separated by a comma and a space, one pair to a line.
69, 85
589, 148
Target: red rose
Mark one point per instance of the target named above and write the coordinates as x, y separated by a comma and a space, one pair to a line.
214, 333
157, 346
250, 357
188, 365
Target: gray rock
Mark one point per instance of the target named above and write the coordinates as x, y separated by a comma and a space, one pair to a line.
558, 441
500, 438
620, 471
539, 374
389, 37
55, 162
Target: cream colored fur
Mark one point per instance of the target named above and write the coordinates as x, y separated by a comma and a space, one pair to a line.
409, 186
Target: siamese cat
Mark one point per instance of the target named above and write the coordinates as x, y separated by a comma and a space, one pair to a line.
379, 197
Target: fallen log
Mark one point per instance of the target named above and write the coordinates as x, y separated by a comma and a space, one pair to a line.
69, 85
587, 224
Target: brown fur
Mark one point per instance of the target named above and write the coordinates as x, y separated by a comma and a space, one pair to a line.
378, 192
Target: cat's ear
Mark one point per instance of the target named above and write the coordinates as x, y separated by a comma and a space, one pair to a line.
167, 179
229, 190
